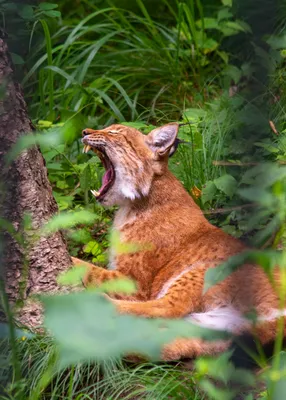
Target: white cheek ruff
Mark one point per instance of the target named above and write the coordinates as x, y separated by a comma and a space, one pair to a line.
129, 191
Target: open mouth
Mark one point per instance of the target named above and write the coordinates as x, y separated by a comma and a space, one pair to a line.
109, 174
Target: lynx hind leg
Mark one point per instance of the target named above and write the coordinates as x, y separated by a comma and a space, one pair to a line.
191, 348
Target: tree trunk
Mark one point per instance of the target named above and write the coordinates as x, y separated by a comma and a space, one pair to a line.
25, 189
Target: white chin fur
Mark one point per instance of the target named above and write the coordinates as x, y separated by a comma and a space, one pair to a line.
129, 192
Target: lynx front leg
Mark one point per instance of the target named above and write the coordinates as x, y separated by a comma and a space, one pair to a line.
183, 297
96, 275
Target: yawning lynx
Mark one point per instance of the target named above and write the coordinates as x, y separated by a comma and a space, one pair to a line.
178, 244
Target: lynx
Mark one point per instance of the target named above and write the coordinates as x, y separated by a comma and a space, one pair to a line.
178, 244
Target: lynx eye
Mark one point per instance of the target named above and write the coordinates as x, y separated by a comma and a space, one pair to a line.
113, 132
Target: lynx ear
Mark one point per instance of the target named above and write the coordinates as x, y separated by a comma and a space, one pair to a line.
162, 139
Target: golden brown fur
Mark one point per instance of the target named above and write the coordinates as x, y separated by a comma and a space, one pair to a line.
178, 244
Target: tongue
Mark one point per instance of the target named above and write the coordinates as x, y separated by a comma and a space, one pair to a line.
106, 177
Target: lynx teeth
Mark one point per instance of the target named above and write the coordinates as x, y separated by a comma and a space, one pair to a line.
86, 148
95, 193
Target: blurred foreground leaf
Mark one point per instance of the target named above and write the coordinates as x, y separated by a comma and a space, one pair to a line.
278, 377
266, 259
19, 333
73, 276
87, 327
67, 220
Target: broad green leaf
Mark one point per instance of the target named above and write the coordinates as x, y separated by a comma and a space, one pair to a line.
54, 137
92, 247
21, 334
227, 184
193, 114
67, 220
208, 23
100, 259
257, 194
224, 13
216, 393
208, 192
47, 6
233, 72
73, 276
208, 45
279, 378
62, 184
17, 60
121, 247
221, 368
126, 286
87, 327
26, 12
267, 259
53, 13
277, 42
227, 3
80, 236
85, 178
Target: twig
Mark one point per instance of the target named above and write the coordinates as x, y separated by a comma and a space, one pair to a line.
223, 210
239, 164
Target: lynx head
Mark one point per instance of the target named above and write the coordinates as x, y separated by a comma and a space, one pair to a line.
130, 158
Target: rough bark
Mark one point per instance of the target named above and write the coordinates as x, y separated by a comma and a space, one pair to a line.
25, 189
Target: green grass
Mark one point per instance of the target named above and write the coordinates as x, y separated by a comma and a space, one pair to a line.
120, 65
108, 380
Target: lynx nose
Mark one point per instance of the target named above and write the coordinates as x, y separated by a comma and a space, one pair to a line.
88, 131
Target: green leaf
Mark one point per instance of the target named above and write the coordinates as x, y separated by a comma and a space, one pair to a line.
67, 220
16, 59
73, 276
221, 368
208, 23
216, 393
22, 334
121, 247
85, 178
227, 184
62, 184
277, 42
122, 286
224, 13
227, 3
53, 13
87, 327
26, 12
193, 114
278, 376
208, 192
47, 6
80, 236
208, 45
233, 72
266, 259
92, 247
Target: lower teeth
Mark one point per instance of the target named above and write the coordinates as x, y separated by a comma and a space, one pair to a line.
95, 193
